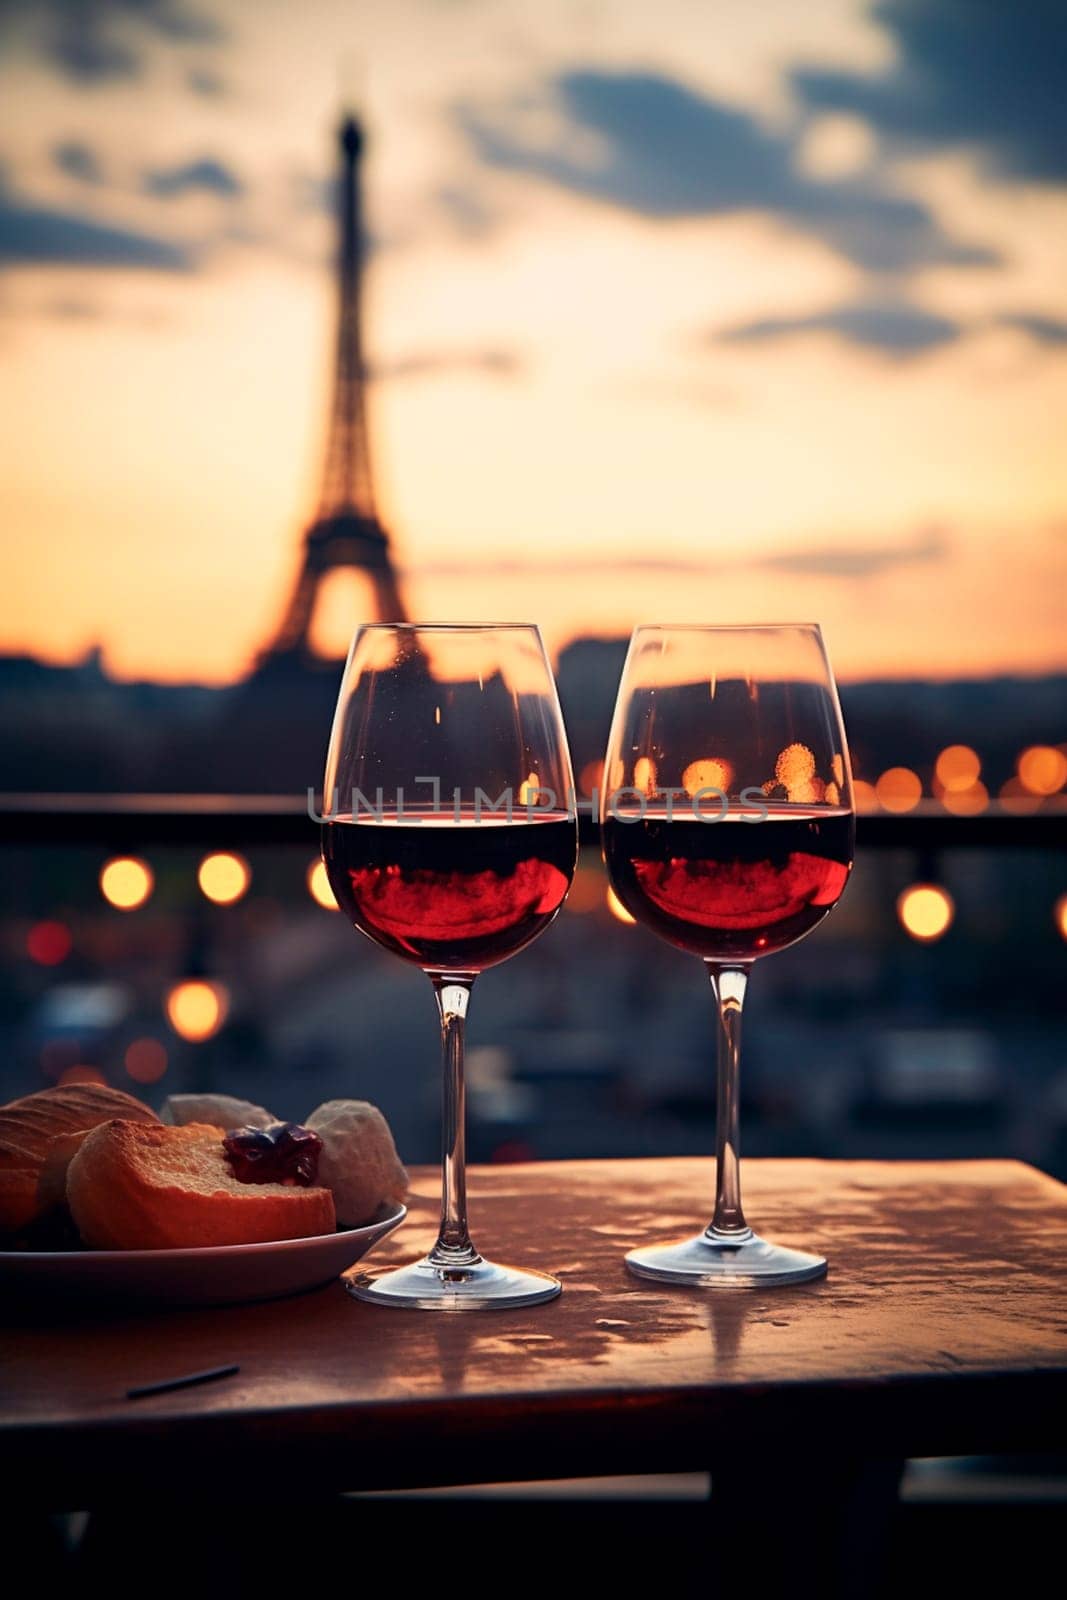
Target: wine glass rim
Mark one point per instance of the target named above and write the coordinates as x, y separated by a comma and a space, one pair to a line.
726, 627
447, 627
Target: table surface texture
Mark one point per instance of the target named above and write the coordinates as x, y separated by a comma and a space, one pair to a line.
940, 1329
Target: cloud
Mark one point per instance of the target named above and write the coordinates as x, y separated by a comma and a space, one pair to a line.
988, 74
30, 233
312, 192
74, 309
71, 310
202, 81
492, 363
847, 561
650, 145
858, 560
466, 214
567, 566
206, 175
78, 161
891, 327
93, 41
1042, 329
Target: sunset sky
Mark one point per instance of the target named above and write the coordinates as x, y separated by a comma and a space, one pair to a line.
707, 310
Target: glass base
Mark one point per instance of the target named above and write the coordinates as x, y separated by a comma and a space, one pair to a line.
730, 1261
482, 1286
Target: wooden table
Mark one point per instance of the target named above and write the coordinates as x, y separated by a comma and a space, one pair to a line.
941, 1329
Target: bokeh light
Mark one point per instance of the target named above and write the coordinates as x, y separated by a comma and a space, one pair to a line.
926, 911
145, 1060
80, 1073
223, 877
319, 887
197, 1009
1015, 797
899, 789
966, 802
713, 772
795, 771
864, 795
616, 907
957, 768
1059, 913
1043, 769
590, 777
529, 789
126, 882
645, 775
48, 943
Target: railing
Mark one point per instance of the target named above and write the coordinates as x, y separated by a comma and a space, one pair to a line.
246, 821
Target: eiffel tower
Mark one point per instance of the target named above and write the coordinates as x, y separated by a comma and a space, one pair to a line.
345, 532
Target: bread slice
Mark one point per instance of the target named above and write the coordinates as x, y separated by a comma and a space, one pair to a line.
28, 1127
134, 1186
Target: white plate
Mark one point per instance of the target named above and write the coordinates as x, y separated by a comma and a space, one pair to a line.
219, 1275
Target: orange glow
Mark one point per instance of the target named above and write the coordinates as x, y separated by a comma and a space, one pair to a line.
958, 768
319, 887
616, 776
795, 765
1015, 797
529, 790
224, 878
926, 911
48, 943
126, 882
713, 772
966, 802
899, 789
196, 1009
1043, 769
1059, 912
589, 778
586, 890
344, 599
145, 1060
864, 795
80, 1073
795, 771
616, 907
645, 775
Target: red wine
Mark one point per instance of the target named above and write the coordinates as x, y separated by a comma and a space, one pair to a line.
730, 889
451, 896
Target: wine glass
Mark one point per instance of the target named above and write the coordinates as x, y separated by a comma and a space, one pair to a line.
450, 838
728, 829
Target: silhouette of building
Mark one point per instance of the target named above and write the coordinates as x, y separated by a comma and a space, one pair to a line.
277, 722
346, 531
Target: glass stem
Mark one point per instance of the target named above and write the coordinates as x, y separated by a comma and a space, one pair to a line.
453, 1247
728, 985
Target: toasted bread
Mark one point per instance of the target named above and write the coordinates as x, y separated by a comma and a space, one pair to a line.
28, 1127
134, 1186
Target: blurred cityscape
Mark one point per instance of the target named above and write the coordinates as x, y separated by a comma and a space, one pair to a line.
925, 1019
